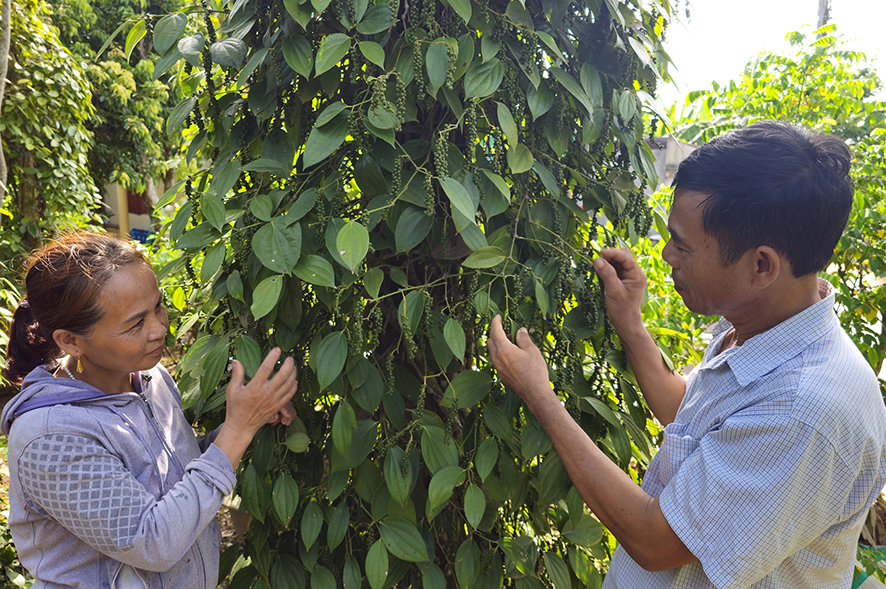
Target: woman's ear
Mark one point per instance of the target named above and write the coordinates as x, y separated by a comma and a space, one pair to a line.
68, 342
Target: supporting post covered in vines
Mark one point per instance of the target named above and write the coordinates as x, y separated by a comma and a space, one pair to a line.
383, 178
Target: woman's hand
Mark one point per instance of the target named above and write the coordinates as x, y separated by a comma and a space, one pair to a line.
284, 416
265, 399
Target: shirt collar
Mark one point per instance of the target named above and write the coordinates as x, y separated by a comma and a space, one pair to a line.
770, 349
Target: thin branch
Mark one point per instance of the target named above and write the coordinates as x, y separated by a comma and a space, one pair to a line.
5, 35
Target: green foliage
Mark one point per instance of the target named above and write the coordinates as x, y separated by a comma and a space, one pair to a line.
9, 298
131, 106
43, 123
833, 91
12, 573
677, 330
383, 179
870, 558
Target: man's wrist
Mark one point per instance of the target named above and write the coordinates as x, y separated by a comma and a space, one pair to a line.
630, 327
537, 393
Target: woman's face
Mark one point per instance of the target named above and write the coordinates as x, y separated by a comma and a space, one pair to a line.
130, 336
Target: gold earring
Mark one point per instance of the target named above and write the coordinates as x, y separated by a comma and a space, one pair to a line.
79, 365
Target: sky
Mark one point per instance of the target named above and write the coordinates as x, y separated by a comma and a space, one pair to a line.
721, 36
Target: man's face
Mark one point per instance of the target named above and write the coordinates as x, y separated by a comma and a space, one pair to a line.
707, 287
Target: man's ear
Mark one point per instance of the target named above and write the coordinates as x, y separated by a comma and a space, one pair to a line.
67, 341
768, 266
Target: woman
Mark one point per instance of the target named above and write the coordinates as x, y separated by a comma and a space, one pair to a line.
109, 487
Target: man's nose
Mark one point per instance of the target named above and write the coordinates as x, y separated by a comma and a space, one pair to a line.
668, 254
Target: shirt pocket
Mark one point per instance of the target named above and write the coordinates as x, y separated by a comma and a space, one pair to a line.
674, 451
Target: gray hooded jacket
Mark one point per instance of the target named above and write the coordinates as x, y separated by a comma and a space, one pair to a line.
112, 491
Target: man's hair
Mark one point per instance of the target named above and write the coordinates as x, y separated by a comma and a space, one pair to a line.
773, 184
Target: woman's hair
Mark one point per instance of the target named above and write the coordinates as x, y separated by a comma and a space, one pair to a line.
63, 290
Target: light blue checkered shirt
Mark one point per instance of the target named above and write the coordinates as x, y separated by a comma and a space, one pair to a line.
774, 458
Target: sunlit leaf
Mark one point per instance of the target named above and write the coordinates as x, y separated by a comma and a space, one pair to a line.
266, 295
373, 52
352, 244
228, 52
136, 34
168, 30
298, 54
324, 140
316, 270
332, 49
485, 257
482, 79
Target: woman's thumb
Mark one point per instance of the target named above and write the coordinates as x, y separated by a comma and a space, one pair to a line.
237, 375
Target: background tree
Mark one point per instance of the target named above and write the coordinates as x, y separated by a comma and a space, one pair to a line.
5, 36
43, 127
833, 91
130, 146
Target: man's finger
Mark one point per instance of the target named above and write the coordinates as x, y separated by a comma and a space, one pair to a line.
616, 254
495, 329
604, 269
524, 342
609, 275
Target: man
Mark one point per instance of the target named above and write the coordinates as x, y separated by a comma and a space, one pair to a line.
773, 448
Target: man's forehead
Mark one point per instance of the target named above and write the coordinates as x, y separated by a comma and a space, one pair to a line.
690, 198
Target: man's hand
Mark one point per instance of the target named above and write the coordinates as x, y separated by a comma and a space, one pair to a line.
629, 512
625, 287
520, 366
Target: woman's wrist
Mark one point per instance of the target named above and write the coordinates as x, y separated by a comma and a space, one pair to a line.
233, 441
